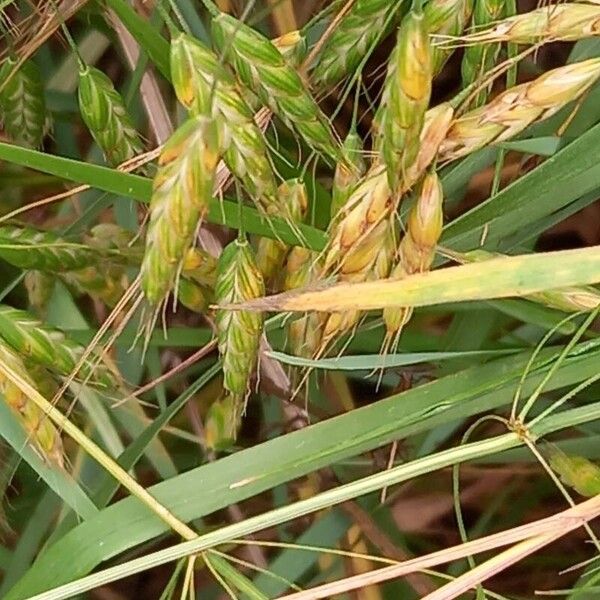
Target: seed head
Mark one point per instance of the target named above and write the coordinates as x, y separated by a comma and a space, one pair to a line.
182, 190
22, 104
104, 113
204, 86
238, 332
261, 67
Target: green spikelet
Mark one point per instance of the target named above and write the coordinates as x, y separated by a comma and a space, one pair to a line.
28, 248
22, 103
203, 85
261, 67
40, 286
182, 190
405, 98
193, 296
417, 248
104, 113
222, 424
345, 178
238, 332
270, 254
49, 347
576, 472
41, 432
446, 18
351, 40
478, 59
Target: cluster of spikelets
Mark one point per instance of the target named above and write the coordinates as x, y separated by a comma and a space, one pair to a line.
368, 239
370, 234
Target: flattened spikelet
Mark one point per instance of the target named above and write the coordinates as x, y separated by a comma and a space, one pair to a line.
238, 332
293, 202
478, 59
262, 68
204, 86
518, 107
41, 432
182, 190
405, 97
29, 248
345, 177
351, 40
107, 281
50, 347
104, 113
417, 248
576, 471
22, 104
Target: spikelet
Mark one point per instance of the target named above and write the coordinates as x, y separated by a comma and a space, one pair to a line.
29, 248
369, 204
50, 348
369, 260
558, 22
270, 254
345, 178
303, 332
41, 432
238, 332
200, 267
417, 248
262, 68
405, 99
182, 190
117, 242
40, 286
446, 18
193, 296
106, 281
204, 86
575, 471
568, 299
292, 46
351, 40
22, 103
478, 59
104, 113
222, 423
518, 107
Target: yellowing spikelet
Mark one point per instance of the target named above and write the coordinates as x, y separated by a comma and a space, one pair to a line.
518, 107
204, 86
417, 248
182, 190
405, 98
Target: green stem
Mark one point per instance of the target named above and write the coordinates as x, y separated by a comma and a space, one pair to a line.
440, 460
